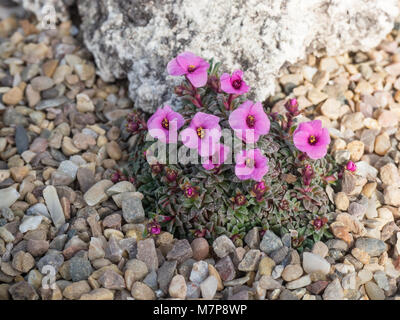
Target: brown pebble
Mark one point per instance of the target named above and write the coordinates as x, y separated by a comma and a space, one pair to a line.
200, 248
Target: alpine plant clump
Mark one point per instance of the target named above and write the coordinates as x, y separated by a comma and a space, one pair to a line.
222, 164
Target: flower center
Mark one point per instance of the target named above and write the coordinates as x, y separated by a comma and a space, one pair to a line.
240, 199
249, 163
191, 68
250, 121
200, 132
165, 123
237, 83
312, 140
189, 192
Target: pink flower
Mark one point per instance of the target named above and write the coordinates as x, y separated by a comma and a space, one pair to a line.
251, 164
312, 139
217, 158
194, 67
154, 227
164, 122
155, 230
234, 84
202, 134
249, 121
351, 166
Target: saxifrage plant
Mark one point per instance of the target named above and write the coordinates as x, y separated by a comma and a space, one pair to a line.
268, 172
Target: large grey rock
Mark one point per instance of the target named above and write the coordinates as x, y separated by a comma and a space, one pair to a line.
136, 39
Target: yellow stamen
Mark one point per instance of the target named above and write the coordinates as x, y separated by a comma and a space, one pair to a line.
249, 163
165, 123
312, 140
200, 132
250, 121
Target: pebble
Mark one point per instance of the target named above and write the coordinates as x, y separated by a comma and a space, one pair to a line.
342, 201
356, 149
331, 109
37, 247
208, 287
320, 249
181, 251
30, 223
177, 287
141, 291
83, 103
333, 291
80, 269
270, 242
391, 196
132, 210
389, 175
6, 235
96, 194
226, 269
76, 290
112, 280
22, 290
69, 168
299, 283
42, 83
199, 272
114, 150
382, 144
8, 196
54, 206
200, 248
374, 292
252, 238
120, 187
266, 266
292, 272
98, 294
146, 252
223, 246
13, 96
165, 274
315, 263
250, 260
21, 139
374, 247
23, 262
268, 283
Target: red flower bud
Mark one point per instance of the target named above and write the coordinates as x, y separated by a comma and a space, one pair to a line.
171, 175
308, 174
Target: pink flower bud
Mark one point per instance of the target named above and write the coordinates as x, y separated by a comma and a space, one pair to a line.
351, 166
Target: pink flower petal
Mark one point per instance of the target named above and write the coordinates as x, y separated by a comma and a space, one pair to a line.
160, 134
317, 152
262, 123
189, 138
300, 139
198, 78
174, 68
316, 125
323, 138
205, 120
237, 119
